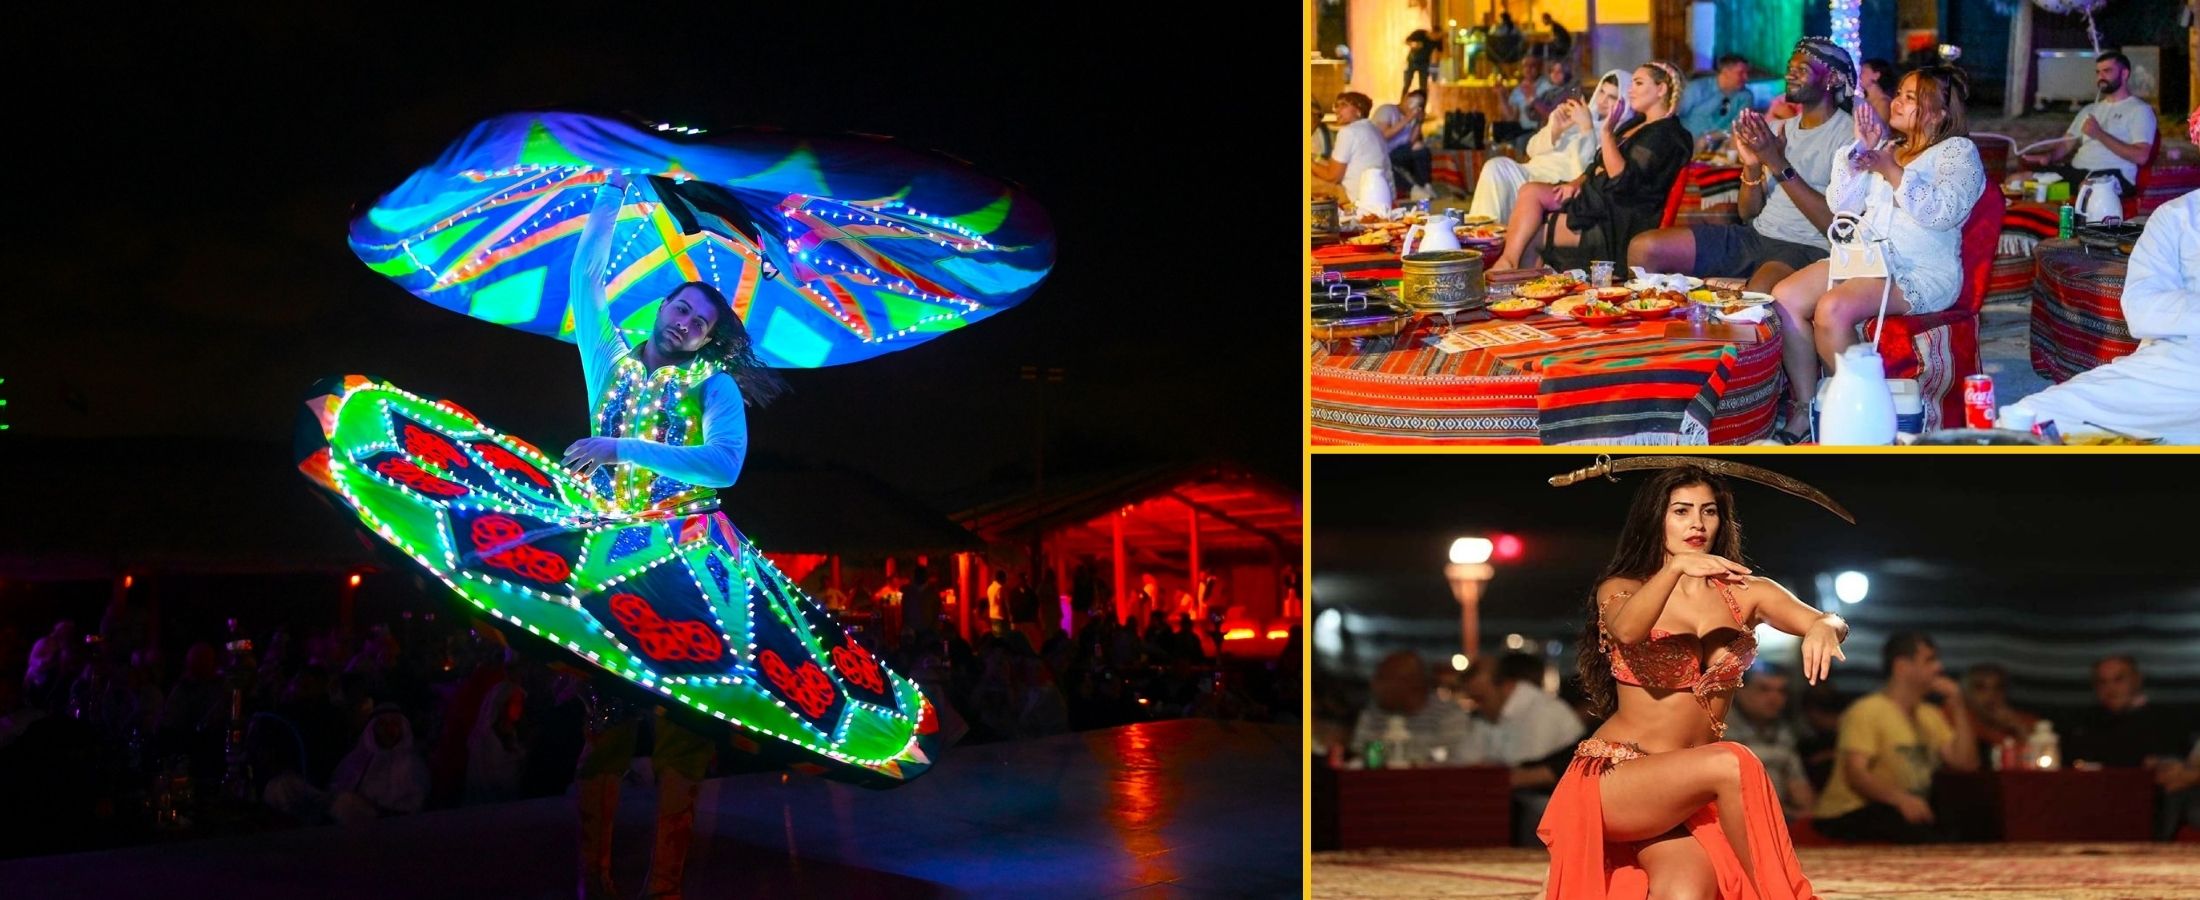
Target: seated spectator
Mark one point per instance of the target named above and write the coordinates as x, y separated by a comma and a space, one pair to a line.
1641, 149
1522, 117
1515, 721
1915, 193
2180, 803
2157, 389
1402, 691
1358, 149
2124, 730
1822, 708
2109, 136
1518, 725
1400, 126
384, 776
1711, 102
1986, 694
1761, 723
495, 760
1557, 154
1786, 167
1891, 742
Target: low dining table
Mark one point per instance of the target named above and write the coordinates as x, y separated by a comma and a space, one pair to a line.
1629, 383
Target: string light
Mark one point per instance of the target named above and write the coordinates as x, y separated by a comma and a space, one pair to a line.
1846, 18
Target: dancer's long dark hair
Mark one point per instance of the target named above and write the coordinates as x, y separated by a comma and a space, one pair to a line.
1639, 555
730, 345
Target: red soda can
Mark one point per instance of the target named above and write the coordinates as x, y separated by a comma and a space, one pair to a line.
1978, 401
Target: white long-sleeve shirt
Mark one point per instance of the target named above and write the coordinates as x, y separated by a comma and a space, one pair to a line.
716, 462
1922, 219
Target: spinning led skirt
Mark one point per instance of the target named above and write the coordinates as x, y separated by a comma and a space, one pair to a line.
674, 600
832, 250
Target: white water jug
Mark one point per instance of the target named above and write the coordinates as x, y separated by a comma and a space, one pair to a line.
1859, 406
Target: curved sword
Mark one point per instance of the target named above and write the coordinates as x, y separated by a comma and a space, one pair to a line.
1607, 467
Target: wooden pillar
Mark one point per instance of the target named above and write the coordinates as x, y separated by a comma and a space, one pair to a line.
1122, 570
962, 595
1197, 582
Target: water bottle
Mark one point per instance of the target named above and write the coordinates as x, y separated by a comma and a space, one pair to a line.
1373, 756
1397, 741
2043, 750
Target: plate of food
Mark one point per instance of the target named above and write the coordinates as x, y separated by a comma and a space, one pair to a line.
1478, 220
1586, 309
1378, 237
1729, 302
1515, 308
1483, 234
1650, 306
1548, 287
1641, 285
1614, 295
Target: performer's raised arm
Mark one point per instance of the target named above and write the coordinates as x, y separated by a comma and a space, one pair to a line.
593, 333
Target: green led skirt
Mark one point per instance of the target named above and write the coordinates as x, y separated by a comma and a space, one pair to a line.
675, 601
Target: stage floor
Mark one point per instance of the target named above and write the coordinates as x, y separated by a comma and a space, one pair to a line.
1999, 871
1190, 808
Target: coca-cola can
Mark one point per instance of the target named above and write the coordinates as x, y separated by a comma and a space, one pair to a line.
1978, 401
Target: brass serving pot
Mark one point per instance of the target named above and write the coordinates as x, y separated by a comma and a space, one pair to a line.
1445, 281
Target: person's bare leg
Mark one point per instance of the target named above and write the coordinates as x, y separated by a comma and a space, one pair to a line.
1766, 276
1663, 250
1797, 297
1647, 797
599, 809
1678, 868
1525, 230
1849, 303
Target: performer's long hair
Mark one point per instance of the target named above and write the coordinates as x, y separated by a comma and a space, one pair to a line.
1641, 552
730, 345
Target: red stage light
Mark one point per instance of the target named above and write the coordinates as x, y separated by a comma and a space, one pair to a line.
1508, 548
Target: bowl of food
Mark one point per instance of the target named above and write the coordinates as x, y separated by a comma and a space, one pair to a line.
1614, 295
1598, 313
1515, 308
1650, 307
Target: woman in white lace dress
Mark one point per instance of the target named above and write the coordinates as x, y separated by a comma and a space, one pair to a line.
1916, 191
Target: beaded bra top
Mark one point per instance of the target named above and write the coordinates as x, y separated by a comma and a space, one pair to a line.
1675, 661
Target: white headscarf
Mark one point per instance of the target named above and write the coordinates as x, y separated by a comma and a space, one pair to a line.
395, 779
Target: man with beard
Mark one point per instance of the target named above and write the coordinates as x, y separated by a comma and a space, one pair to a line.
1785, 168
2112, 134
2156, 389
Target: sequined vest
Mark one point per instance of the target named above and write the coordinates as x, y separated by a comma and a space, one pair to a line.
665, 406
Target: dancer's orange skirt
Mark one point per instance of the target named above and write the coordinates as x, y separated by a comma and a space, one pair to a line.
1585, 865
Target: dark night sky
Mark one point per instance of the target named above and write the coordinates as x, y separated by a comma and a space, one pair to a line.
2041, 563
181, 270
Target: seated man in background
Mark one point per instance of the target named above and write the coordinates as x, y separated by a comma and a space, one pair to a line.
2112, 134
2124, 730
1359, 148
1711, 102
1786, 166
1523, 104
1986, 694
1761, 723
1519, 725
1402, 693
1400, 126
1891, 742
2156, 389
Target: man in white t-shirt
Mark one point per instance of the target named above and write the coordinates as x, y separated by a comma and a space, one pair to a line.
1359, 148
2113, 134
1515, 721
2156, 390
1786, 165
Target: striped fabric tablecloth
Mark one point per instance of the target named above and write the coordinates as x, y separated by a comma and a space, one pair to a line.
2077, 310
1627, 384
